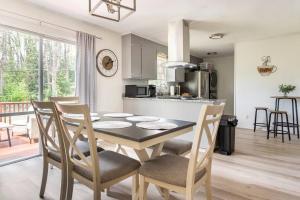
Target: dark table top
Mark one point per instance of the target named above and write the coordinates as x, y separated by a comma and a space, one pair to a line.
285, 97
138, 134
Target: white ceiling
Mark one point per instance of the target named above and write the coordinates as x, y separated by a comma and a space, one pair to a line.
240, 20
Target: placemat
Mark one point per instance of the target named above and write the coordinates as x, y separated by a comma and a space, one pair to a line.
158, 125
111, 124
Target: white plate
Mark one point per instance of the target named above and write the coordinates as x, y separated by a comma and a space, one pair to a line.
117, 115
94, 116
143, 119
111, 124
157, 125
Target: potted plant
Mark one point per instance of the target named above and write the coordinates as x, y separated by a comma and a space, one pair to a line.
285, 89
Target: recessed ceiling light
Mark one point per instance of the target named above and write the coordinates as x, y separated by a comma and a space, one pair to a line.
216, 36
212, 53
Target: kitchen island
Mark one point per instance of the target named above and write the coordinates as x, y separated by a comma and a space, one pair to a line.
180, 109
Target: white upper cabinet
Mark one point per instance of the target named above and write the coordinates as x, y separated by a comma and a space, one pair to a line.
139, 58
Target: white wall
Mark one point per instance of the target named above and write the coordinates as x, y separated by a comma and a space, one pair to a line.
109, 91
225, 70
251, 89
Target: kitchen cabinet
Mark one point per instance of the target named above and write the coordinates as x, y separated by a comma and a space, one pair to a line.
149, 60
139, 58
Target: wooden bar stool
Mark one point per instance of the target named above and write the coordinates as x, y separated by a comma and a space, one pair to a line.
277, 123
260, 124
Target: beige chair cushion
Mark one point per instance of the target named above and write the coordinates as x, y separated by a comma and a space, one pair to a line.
177, 146
83, 147
171, 169
112, 165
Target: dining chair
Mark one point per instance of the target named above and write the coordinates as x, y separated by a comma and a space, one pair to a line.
53, 148
65, 100
99, 170
181, 174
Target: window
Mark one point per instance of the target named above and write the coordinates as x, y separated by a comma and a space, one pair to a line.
19, 58
58, 69
161, 83
23, 76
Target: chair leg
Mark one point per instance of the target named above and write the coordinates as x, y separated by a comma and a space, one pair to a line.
143, 188
44, 178
97, 194
63, 184
189, 195
208, 187
8, 137
166, 194
70, 185
135, 187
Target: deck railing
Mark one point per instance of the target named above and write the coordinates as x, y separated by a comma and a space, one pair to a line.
13, 107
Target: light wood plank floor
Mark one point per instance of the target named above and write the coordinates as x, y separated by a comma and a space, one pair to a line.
260, 169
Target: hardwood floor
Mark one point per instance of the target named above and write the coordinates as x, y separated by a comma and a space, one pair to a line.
259, 169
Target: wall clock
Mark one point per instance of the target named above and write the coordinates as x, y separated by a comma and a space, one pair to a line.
107, 62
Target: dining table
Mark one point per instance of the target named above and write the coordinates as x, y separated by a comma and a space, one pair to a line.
139, 139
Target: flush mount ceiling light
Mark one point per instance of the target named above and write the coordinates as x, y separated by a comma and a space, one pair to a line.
216, 36
212, 53
115, 10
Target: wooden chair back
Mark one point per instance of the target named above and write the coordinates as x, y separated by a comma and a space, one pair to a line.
65, 100
46, 114
84, 126
208, 124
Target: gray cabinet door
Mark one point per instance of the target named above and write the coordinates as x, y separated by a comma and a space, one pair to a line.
149, 60
136, 61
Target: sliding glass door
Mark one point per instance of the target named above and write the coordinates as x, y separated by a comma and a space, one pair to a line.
58, 69
32, 67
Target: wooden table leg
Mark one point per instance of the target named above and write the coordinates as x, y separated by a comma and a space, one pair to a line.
120, 148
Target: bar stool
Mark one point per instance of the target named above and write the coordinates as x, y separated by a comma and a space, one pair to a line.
276, 123
260, 124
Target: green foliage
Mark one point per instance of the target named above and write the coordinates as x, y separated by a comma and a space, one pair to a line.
19, 67
285, 89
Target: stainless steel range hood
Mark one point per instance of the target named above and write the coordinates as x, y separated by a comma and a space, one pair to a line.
179, 45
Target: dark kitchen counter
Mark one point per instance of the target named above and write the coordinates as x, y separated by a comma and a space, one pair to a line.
178, 99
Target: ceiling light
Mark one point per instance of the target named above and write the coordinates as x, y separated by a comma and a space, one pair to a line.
115, 10
212, 53
216, 36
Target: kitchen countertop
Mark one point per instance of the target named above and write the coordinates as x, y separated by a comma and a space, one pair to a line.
200, 100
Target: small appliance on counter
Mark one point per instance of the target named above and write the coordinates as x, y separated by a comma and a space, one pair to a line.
140, 91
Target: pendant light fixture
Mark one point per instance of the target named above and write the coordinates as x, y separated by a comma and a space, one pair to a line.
115, 10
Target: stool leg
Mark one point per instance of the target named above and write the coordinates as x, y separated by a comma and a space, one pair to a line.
8, 137
288, 126
293, 117
254, 129
297, 121
282, 127
267, 121
275, 124
269, 124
